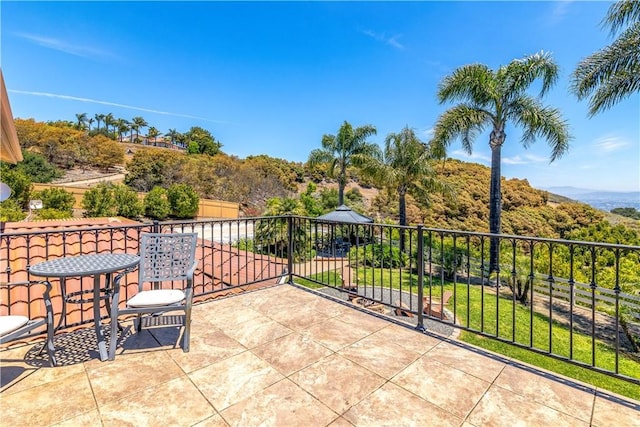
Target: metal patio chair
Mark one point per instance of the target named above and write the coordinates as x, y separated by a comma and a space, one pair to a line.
13, 326
164, 259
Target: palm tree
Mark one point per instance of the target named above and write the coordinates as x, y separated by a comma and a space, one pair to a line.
138, 123
153, 133
82, 120
405, 166
491, 99
612, 73
108, 120
173, 135
337, 151
90, 121
122, 126
99, 118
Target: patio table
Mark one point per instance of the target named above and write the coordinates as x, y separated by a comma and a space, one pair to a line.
95, 265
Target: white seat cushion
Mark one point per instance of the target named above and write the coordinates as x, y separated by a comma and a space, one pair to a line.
156, 298
11, 323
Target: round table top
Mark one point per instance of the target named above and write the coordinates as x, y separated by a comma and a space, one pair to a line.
84, 265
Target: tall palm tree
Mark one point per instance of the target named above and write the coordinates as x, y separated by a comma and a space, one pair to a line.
122, 126
612, 73
337, 151
90, 121
173, 135
153, 133
108, 121
82, 121
405, 166
99, 118
490, 99
138, 123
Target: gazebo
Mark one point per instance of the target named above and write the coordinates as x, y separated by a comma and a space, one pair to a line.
343, 214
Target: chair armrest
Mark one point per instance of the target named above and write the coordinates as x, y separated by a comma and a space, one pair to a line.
190, 273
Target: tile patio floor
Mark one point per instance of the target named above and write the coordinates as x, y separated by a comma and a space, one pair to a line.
283, 356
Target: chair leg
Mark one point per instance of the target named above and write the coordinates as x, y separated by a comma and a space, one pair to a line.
51, 350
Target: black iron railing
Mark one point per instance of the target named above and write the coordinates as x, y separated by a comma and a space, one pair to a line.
574, 301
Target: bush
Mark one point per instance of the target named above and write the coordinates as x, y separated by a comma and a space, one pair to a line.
99, 201
48, 213
56, 199
156, 204
38, 168
381, 255
20, 185
183, 201
10, 211
127, 202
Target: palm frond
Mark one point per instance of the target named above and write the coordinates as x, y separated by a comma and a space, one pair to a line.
622, 13
473, 83
618, 87
540, 121
519, 74
621, 58
460, 121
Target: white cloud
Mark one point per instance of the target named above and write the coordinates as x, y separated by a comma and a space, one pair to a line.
524, 160
388, 40
560, 9
112, 104
477, 157
609, 144
69, 48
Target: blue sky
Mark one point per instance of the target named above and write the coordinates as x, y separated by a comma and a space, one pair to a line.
273, 78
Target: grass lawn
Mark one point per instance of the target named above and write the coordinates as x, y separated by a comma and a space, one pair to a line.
512, 322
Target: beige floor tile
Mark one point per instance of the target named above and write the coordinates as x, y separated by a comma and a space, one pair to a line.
337, 382
473, 363
408, 338
176, 402
214, 421
613, 411
334, 333
282, 404
330, 308
449, 388
233, 379
363, 320
130, 341
88, 419
206, 347
130, 373
390, 405
500, 407
340, 422
380, 355
573, 400
232, 317
256, 332
48, 403
300, 318
291, 353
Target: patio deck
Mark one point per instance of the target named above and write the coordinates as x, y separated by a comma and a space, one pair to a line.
283, 356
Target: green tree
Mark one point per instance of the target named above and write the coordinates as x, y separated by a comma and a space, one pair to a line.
108, 121
36, 167
632, 213
183, 201
19, 182
99, 119
56, 198
153, 133
173, 135
137, 124
82, 121
127, 202
156, 204
99, 201
491, 99
122, 126
337, 152
10, 211
612, 73
207, 144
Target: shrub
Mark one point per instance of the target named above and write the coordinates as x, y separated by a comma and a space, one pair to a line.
57, 199
381, 255
156, 204
99, 201
127, 202
20, 185
49, 213
10, 211
183, 201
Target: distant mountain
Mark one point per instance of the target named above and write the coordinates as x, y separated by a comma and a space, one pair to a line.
604, 200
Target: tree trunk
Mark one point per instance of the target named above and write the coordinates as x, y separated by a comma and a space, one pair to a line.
342, 182
495, 196
402, 213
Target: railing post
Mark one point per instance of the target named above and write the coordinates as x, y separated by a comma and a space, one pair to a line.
156, 226
420, 262
290, 248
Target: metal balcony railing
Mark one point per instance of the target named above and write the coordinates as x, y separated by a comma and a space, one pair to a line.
574, 301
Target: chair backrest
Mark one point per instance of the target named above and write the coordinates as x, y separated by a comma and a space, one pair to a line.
165, 256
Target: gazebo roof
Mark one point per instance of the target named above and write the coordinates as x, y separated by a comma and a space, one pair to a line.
344, 213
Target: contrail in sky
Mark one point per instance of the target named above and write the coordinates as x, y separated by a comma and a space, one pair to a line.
112, 104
